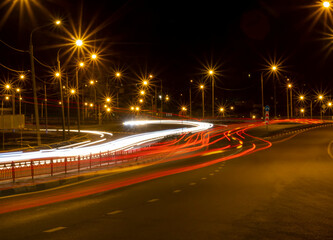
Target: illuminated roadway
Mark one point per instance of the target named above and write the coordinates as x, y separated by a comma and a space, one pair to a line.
282, 192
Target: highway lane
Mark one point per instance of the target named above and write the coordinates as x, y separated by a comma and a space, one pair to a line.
283, 192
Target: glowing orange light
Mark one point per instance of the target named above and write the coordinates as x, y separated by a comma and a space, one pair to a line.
326, 4
79, 42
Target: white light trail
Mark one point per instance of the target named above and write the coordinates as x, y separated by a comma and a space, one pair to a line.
115, 145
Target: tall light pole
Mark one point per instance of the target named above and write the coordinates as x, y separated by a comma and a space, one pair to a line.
274, 69
320, 99
262, 94
78, 43
191, 81
291, 100
211, 74
287, 88
59, 76
202, 87
33, 78
34, 88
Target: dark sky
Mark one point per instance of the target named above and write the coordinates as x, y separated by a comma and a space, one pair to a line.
174, 39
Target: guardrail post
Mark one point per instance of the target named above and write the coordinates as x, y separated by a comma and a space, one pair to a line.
13, 171
32, 169
90, 160
65, 165
52, 167
78, 164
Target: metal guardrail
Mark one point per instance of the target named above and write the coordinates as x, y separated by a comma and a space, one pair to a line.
63, 165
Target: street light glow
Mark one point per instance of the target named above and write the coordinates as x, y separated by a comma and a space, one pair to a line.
81, 64
117, 73
202, 86
326, 4
320, 97
108, 99
93, 56
301, 97
58, 22
211, 72
57, 74
7, 86
274, 68
289, 85
22, 76
79, 42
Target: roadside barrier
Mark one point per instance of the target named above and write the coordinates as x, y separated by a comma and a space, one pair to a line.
73, 164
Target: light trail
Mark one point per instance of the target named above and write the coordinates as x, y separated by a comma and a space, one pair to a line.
115, 145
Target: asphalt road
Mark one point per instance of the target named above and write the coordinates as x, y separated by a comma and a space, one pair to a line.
284, 192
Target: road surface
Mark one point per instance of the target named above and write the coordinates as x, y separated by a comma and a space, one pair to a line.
283, 192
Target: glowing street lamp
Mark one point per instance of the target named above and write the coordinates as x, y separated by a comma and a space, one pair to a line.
108, 99
79, 42
142, 92
289, 87
93, 56
57, 22
320, 99
222, 111
211, 74
326, 4
22, 76
202, 87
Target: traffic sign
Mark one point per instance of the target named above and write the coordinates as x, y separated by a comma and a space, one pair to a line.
267, 108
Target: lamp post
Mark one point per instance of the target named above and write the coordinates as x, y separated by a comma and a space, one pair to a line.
291, 100
202, 87
274, 69
191, 81
34, 88
262, 94
211, 73
287, 101
320, 99
59, 76
33, 77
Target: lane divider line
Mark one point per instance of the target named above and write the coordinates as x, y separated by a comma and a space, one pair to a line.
54, 229
153, 200
329, 149
114, 212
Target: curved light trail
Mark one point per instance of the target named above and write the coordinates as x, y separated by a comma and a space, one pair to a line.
115, 145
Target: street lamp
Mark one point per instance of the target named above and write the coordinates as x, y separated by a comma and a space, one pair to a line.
326, 4
274, 69
211, 74
320, 99
202, 87
291, 100
222, 111
58, 75
33, 76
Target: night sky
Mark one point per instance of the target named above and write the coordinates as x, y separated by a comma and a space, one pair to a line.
174, 40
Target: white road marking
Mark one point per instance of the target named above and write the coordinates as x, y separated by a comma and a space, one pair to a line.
203, 178
212, 174
115, 212
177, 191
153, 200
217, 170
54, 229
329, 149
192, 183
